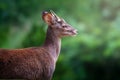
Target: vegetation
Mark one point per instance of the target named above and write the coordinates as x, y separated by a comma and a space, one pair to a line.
92, 55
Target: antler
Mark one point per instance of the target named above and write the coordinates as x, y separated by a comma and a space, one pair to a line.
53, 13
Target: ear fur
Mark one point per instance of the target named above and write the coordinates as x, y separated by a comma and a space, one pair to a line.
47, 17
50, 17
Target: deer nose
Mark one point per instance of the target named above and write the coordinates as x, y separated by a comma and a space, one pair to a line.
75, 31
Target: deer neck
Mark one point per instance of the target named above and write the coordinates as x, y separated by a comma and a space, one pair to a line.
52, 43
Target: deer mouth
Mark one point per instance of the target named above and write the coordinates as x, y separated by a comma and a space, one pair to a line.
70, 33
73, 32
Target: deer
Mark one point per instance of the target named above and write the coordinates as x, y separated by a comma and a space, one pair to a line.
36, 63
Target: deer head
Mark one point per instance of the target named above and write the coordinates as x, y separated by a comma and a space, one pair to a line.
58, 25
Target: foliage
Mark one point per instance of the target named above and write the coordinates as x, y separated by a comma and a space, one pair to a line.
95, 47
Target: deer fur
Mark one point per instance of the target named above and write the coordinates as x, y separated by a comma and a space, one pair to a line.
36, 63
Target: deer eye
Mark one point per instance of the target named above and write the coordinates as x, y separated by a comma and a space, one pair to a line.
64, 26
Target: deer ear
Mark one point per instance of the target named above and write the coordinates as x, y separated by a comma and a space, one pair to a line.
47, 17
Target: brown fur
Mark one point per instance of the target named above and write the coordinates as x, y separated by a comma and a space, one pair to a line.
29, 63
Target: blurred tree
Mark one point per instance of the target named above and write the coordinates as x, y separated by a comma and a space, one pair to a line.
93, 50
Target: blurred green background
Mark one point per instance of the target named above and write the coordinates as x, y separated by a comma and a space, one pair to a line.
94, 54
